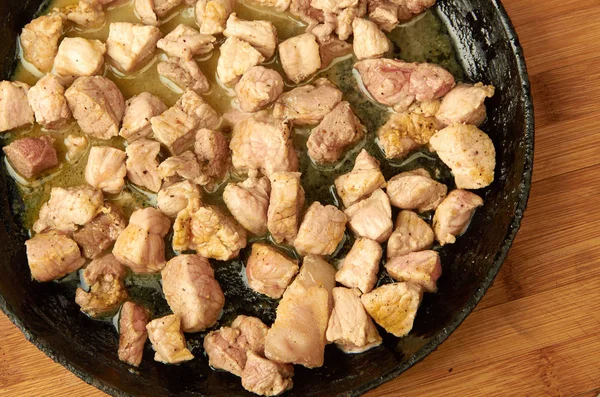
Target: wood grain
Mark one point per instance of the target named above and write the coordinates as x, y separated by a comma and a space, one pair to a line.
537, 331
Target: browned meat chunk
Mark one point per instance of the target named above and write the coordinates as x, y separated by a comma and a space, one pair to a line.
411, 234
216, 235
360, 266
15, 111
300, 57
265, 377
211, 15
419, 268
261, 35
76, 147
415, 190
321, 230
285, 206
39, 40
186, 42
167, 340
88, 14
129, 45
453, 215
404, 133
138, 112
371, 217
465, 104
384, 13
236, 58
177, 197
369, 40
269, 271
248, 202
77, 57
105, 169
258, 88
142, 164
185, 74
364, 179
132, 333
212, 152
31, 156
47, 99
51, 256
99, 234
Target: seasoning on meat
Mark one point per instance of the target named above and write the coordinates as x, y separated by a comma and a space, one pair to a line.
371, 217
48, 102
360, 266
138, 112
15, 110
101, 232
236, 58
211, 15
31, 156
212, 152
411, 234
453, 215
269, 271
132, 333
52, 255
404, 133
88, 14
261, 35
39, 40
130, 46
321, 230
183, 166
419, 268
285, 206
300, 57
184, 74
142, 164
248, 202
178, 196
258, 88
186, 42
216, 235
77, 57
369, 40
105, 169
364, 179
167, 340
384, 13
415, 190
465, 104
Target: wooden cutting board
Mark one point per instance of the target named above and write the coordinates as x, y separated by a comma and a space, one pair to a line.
537, 331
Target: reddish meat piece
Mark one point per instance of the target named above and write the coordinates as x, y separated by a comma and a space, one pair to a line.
132, 333
31, 156
269, 271
265, 377
99, 234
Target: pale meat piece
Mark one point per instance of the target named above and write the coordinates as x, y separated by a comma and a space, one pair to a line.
183, 166
300, 57
265, 377
269, 271
333, 6
253, 331
470, 154
350, 327
211, 15
130, 45
139, 110
258, 88
415, 190
309, 104
105, 169
164, 7
142, 164
178, 196
360, 266
384, 13
298, 334
323, 30
76, 147
132, 333
184, 74
453, 215
364, 179
234, 116
404, 133
321, 231
236, 58
419, 268
331, 48
307, 13
48, 102
39, 40
216, 235
52, 256
285, 206
104, 277
141, 246
410, 235
15, 110
167, 340
212, 152
248, 202
203, 114
186, 42
144, 9
77, 57
261, 35
344, 19
88, 14
369, 40
465, 104
31, 156
97, 105
276, 5
339, 130
192, 292
69, 208
410, 8
98, 235
371, 217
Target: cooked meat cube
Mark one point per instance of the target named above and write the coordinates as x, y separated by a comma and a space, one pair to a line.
276, 5
164, 7
192, 292
87, 14
99, 234
130, 45
182, 229
142, 165
453, 215
369, 40
465, 104
410, 8
52, 255
269, 271
132, 333
309, 104
263, 143
106, 169
248, 202
196, 107
15, 111
411, 234
31, 156
331, 48
178, 196
307, 13
253, 331
339, 130
298, 334
168, 341
184, 74
265, 377
144, 9
47, 99
419, 268
371, 217
141, 246
234, 116
394, 306
76, 147
236, 58
415, 190
258, 88
138, 112
186, 42
97, 105
261, 35
104, 276
285, 206
364, 179
360, 266
183, 166
321, 230
333, 6
469, 152
216, 235
39, 40
77, 56
404, 133
69, 208
299, 57
344, 21
212, 151
211, 15
425, 108
384, 13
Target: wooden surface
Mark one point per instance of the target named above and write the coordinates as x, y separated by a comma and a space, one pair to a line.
537, 331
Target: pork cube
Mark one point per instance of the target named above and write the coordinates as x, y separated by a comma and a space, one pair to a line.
253, 332
344, 19
321, 230
369, 40
364, 179
31, 156
269, 271
15, 110
415, 190
360, 266
453, 215
212, 151
130, 45
465, 104
236, 58
384, 13
97, 105
139, 110
76, 147
192, 292
203, 114
48, 102
333, 6
105, 169
167, 340
265, 377
410, 8
186, 42
132, 333
469, 152
144, 10
183, 166
285, 206
261, 35
211, 15
248, 202
331, 48
88, 14
77, 56
39, 40
164, 7
184, 74
99, 234
299, 57
419, 268
306, 12
142, 164
216, 235
52, 256
411, 234
371, 217
258, 88
404, 133
178, 196
276, 5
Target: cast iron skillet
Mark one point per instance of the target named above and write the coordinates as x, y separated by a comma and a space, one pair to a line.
48, 316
